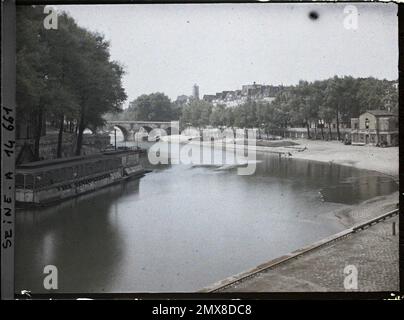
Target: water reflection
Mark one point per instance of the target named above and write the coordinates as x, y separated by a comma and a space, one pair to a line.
340, 184
76, 236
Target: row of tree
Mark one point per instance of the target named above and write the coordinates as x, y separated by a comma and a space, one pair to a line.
64, 76
308, 103
149, 107
335, 100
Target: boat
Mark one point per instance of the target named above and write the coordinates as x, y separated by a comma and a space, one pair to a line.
42, 183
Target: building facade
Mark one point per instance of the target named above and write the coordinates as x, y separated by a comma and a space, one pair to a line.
195, 92
251, 92
376, 127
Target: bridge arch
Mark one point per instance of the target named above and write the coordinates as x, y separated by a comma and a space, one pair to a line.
141, 129
146, 128
89, 131
157, 133
125, 132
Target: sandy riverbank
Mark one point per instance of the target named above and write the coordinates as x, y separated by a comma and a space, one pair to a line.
383, 160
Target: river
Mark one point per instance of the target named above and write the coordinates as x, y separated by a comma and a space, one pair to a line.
183, 227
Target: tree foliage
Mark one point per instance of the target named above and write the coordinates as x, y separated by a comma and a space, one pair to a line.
64, 75
152, 107
332, 100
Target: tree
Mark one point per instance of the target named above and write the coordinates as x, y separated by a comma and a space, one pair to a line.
304, 104
282, 110
326, 114
98, 84
62, 99
229, 117
217, 117
152, 107
333, 94
197, 113
31, 76
63, 74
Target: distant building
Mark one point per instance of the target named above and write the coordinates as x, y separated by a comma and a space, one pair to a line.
209, 97
378, 127
250, 92
195, 92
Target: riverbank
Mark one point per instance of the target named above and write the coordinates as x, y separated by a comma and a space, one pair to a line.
355, 214
382, 160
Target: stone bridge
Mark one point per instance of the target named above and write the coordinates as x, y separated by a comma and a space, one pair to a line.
130, 128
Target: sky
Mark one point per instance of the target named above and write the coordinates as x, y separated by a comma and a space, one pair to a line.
168, 48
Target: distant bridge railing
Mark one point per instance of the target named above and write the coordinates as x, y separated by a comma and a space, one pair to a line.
138, 122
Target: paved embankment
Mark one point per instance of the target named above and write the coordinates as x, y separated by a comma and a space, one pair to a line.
320, 267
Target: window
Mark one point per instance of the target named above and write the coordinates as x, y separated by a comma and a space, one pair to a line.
367, 123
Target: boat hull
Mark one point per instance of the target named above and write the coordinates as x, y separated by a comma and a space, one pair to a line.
57, 193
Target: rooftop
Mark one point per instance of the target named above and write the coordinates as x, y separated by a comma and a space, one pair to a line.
45, 165
381, 113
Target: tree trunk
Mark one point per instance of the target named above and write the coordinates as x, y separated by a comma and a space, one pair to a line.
308, 130
329, 130
38, 132
284, 130
60, 136
80, 128
322, 131
79, 140
338, 134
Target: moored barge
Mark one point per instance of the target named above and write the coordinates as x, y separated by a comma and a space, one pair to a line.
46, 182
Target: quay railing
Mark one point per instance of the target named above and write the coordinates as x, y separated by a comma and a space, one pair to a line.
370, 222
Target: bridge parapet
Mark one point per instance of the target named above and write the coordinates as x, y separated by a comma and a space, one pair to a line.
129, 128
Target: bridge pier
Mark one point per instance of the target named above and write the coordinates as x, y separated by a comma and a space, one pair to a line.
130, 136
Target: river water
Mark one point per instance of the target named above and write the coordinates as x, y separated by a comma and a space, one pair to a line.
183, 227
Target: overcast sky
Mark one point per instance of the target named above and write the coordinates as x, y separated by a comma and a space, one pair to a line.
168, 48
